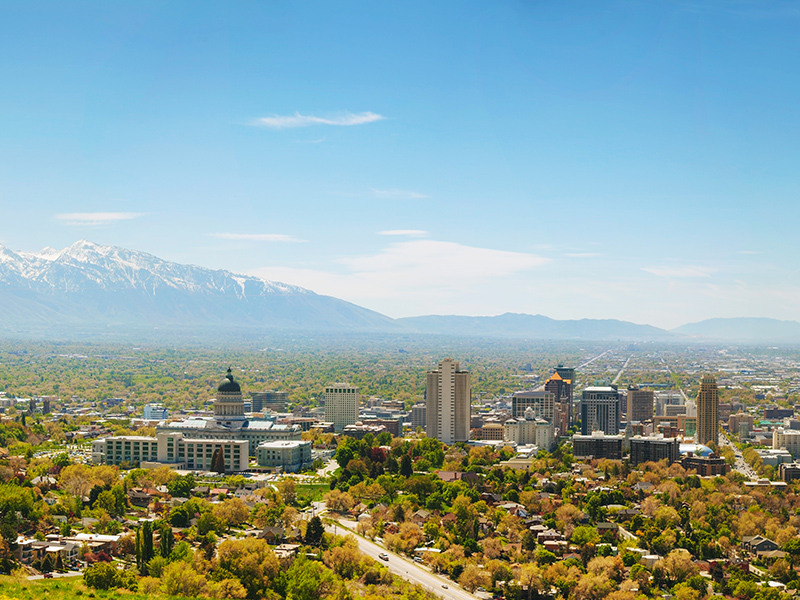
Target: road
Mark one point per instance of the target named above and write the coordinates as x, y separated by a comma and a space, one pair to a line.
406, 569
328, 469
740, 466
591, 360
622, 370
56, 575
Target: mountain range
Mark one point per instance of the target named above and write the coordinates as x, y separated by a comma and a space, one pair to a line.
89, 285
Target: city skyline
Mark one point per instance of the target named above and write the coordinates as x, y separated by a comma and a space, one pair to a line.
607, 161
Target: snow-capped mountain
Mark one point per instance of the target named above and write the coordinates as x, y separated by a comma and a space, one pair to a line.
90, 284
86, 266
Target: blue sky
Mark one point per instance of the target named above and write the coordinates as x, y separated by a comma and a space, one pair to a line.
630, 160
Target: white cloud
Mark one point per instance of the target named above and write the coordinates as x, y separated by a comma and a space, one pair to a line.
257, 237
398, 194
298, 120
680, 272
96, 218
408, 232
417, 275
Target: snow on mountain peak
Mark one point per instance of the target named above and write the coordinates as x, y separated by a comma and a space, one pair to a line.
85, 265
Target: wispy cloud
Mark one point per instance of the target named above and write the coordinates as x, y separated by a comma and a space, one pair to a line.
257, 237
415, 274
680, 272
407, 232
398, 194
95, 219
583, 254
298, 120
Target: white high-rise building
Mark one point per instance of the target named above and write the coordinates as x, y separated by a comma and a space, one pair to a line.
341, 405
447, 395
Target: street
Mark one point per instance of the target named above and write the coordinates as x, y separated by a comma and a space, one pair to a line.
405, 568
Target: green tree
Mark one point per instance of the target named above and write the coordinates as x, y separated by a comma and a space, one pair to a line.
218, 462
406, 468
314, 532
166, 539
181, 487
101, 576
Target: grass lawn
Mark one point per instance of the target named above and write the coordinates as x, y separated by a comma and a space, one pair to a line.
313, 492
66, 588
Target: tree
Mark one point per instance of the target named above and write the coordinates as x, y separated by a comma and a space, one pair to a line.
180, 579
287, 490
181, 487
677, 567
218, 462
144, 546
406, 468
345, 560
252, 561
105, 576
339, 501
792, 548
314, 532
593, 587
231, 512
166, 539
585, 535
472, 578
107, 502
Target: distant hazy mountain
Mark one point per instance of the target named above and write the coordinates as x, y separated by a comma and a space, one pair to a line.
535, 326
90, 285
743, 329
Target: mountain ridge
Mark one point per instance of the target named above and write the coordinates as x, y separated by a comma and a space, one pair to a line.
91, 285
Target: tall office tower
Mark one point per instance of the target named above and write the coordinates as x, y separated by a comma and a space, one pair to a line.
418, 416
561, 388
542, 403
341, 405
447, 395
600, 410
640, 404
272, 400
707, 411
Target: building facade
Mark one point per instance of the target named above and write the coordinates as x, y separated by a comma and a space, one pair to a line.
229, 422
153, 412
272, 400
448, 394
341, 405
600, 410
560, 384
786, 439
287, 456
640, 404
654, 448
707, 411
530, 430
542, 404
418, 416
598, 445
170, 448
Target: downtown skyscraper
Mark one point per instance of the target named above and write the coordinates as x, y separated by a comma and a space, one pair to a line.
707, 411
447, 395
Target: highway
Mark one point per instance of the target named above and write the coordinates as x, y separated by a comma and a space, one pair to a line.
622, 370
740, 466
404, 568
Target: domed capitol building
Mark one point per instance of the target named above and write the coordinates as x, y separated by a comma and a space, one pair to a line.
190, 444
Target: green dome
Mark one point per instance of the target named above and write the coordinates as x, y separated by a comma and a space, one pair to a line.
228, 385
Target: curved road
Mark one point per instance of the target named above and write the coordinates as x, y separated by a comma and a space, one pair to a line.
404, 568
